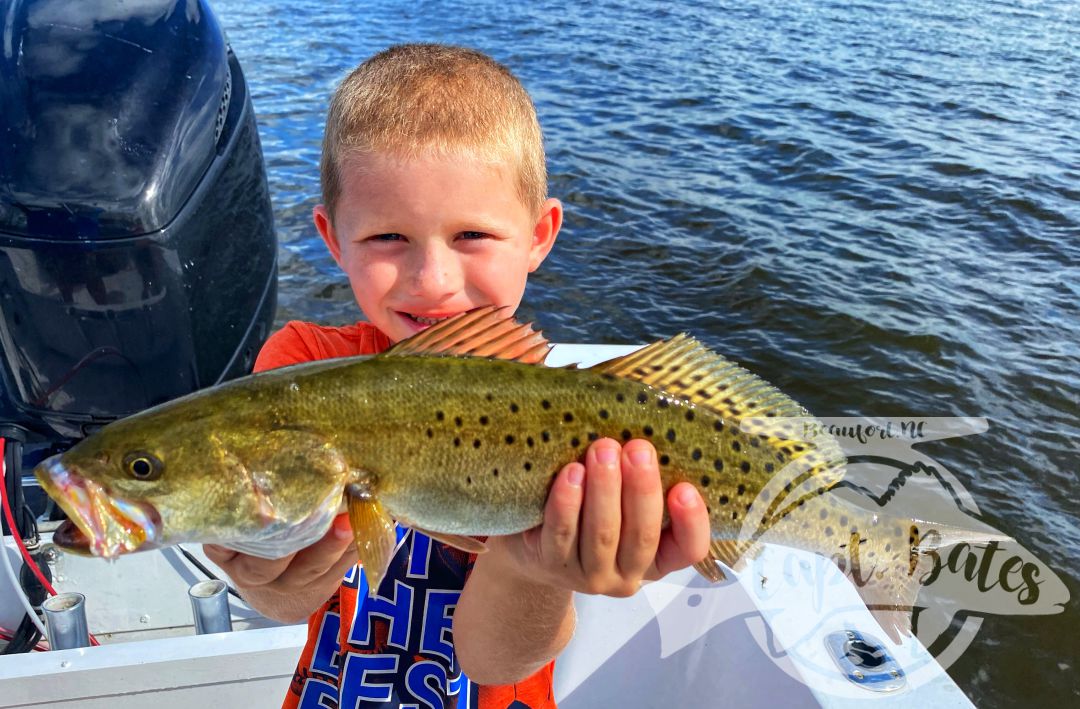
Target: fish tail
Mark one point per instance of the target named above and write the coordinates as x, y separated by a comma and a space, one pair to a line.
889, 576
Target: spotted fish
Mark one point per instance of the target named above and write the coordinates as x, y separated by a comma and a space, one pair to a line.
458, 431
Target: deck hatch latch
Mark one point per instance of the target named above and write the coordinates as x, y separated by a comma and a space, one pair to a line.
865, 662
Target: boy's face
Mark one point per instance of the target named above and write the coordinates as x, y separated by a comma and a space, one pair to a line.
427, 238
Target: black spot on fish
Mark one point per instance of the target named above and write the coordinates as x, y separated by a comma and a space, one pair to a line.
530, 442
528, 466
705, 481
626, 435
662, 403
430, 433
568, 417
724, 499
546, 404
749, 505
736, 446
696, 455
828, 531
728, 400
476, 443
603, 413
718, 464
509, 439
545, 436
843, 520
740, 490
468, 480
755, 442
665, 459
574, 442
718, 425
744, 466
769, 467
888, 547
457, 442
620, 398
764, 495
734, 516
780, 457
458, 421
689, 415
647, 430
495, 472
483, 420
698, 377
670, 435
770, 414
642, 398
824, 514
513, 408
439, 416
799, 449
593, 435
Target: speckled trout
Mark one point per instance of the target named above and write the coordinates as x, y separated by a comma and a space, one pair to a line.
458, 431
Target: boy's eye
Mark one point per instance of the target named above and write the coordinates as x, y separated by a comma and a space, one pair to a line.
387, 237
473, 235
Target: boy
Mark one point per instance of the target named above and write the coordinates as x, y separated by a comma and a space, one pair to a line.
434, 203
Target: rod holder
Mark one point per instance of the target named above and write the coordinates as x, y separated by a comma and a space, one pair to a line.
65, 619
210, 606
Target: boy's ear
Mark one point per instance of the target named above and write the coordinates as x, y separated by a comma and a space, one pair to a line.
544, 233
325, 228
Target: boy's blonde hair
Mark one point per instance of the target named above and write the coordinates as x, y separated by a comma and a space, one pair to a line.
421, 99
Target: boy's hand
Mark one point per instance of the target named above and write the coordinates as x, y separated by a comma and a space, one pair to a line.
291, 588
602, 530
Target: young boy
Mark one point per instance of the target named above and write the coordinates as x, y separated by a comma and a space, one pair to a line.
435, 203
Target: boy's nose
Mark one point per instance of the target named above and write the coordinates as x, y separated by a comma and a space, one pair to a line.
437, 273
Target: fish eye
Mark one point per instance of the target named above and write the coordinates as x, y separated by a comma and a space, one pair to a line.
143, 466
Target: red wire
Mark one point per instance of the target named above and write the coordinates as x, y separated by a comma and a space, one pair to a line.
27, 559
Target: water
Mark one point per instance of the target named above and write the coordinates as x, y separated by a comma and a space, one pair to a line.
876, 206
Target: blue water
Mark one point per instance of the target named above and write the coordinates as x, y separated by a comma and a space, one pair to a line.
874, 205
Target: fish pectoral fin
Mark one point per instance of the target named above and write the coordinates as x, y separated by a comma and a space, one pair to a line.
373, 529
471, 545
490, 331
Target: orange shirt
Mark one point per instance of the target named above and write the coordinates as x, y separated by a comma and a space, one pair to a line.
396, 648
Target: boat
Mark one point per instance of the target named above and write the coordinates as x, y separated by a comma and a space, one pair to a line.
138, 263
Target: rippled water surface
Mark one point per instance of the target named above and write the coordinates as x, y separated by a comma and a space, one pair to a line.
876, 206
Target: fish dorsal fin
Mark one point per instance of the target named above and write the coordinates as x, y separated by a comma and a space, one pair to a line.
684, 367
490, 331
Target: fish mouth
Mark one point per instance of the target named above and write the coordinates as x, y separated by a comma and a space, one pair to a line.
99, 523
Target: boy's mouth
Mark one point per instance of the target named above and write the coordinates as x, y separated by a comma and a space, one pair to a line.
422, 319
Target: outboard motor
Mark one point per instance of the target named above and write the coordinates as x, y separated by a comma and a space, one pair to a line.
137, 248
138, 260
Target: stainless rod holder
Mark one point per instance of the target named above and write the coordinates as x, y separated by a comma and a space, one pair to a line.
210, 606
65, 619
